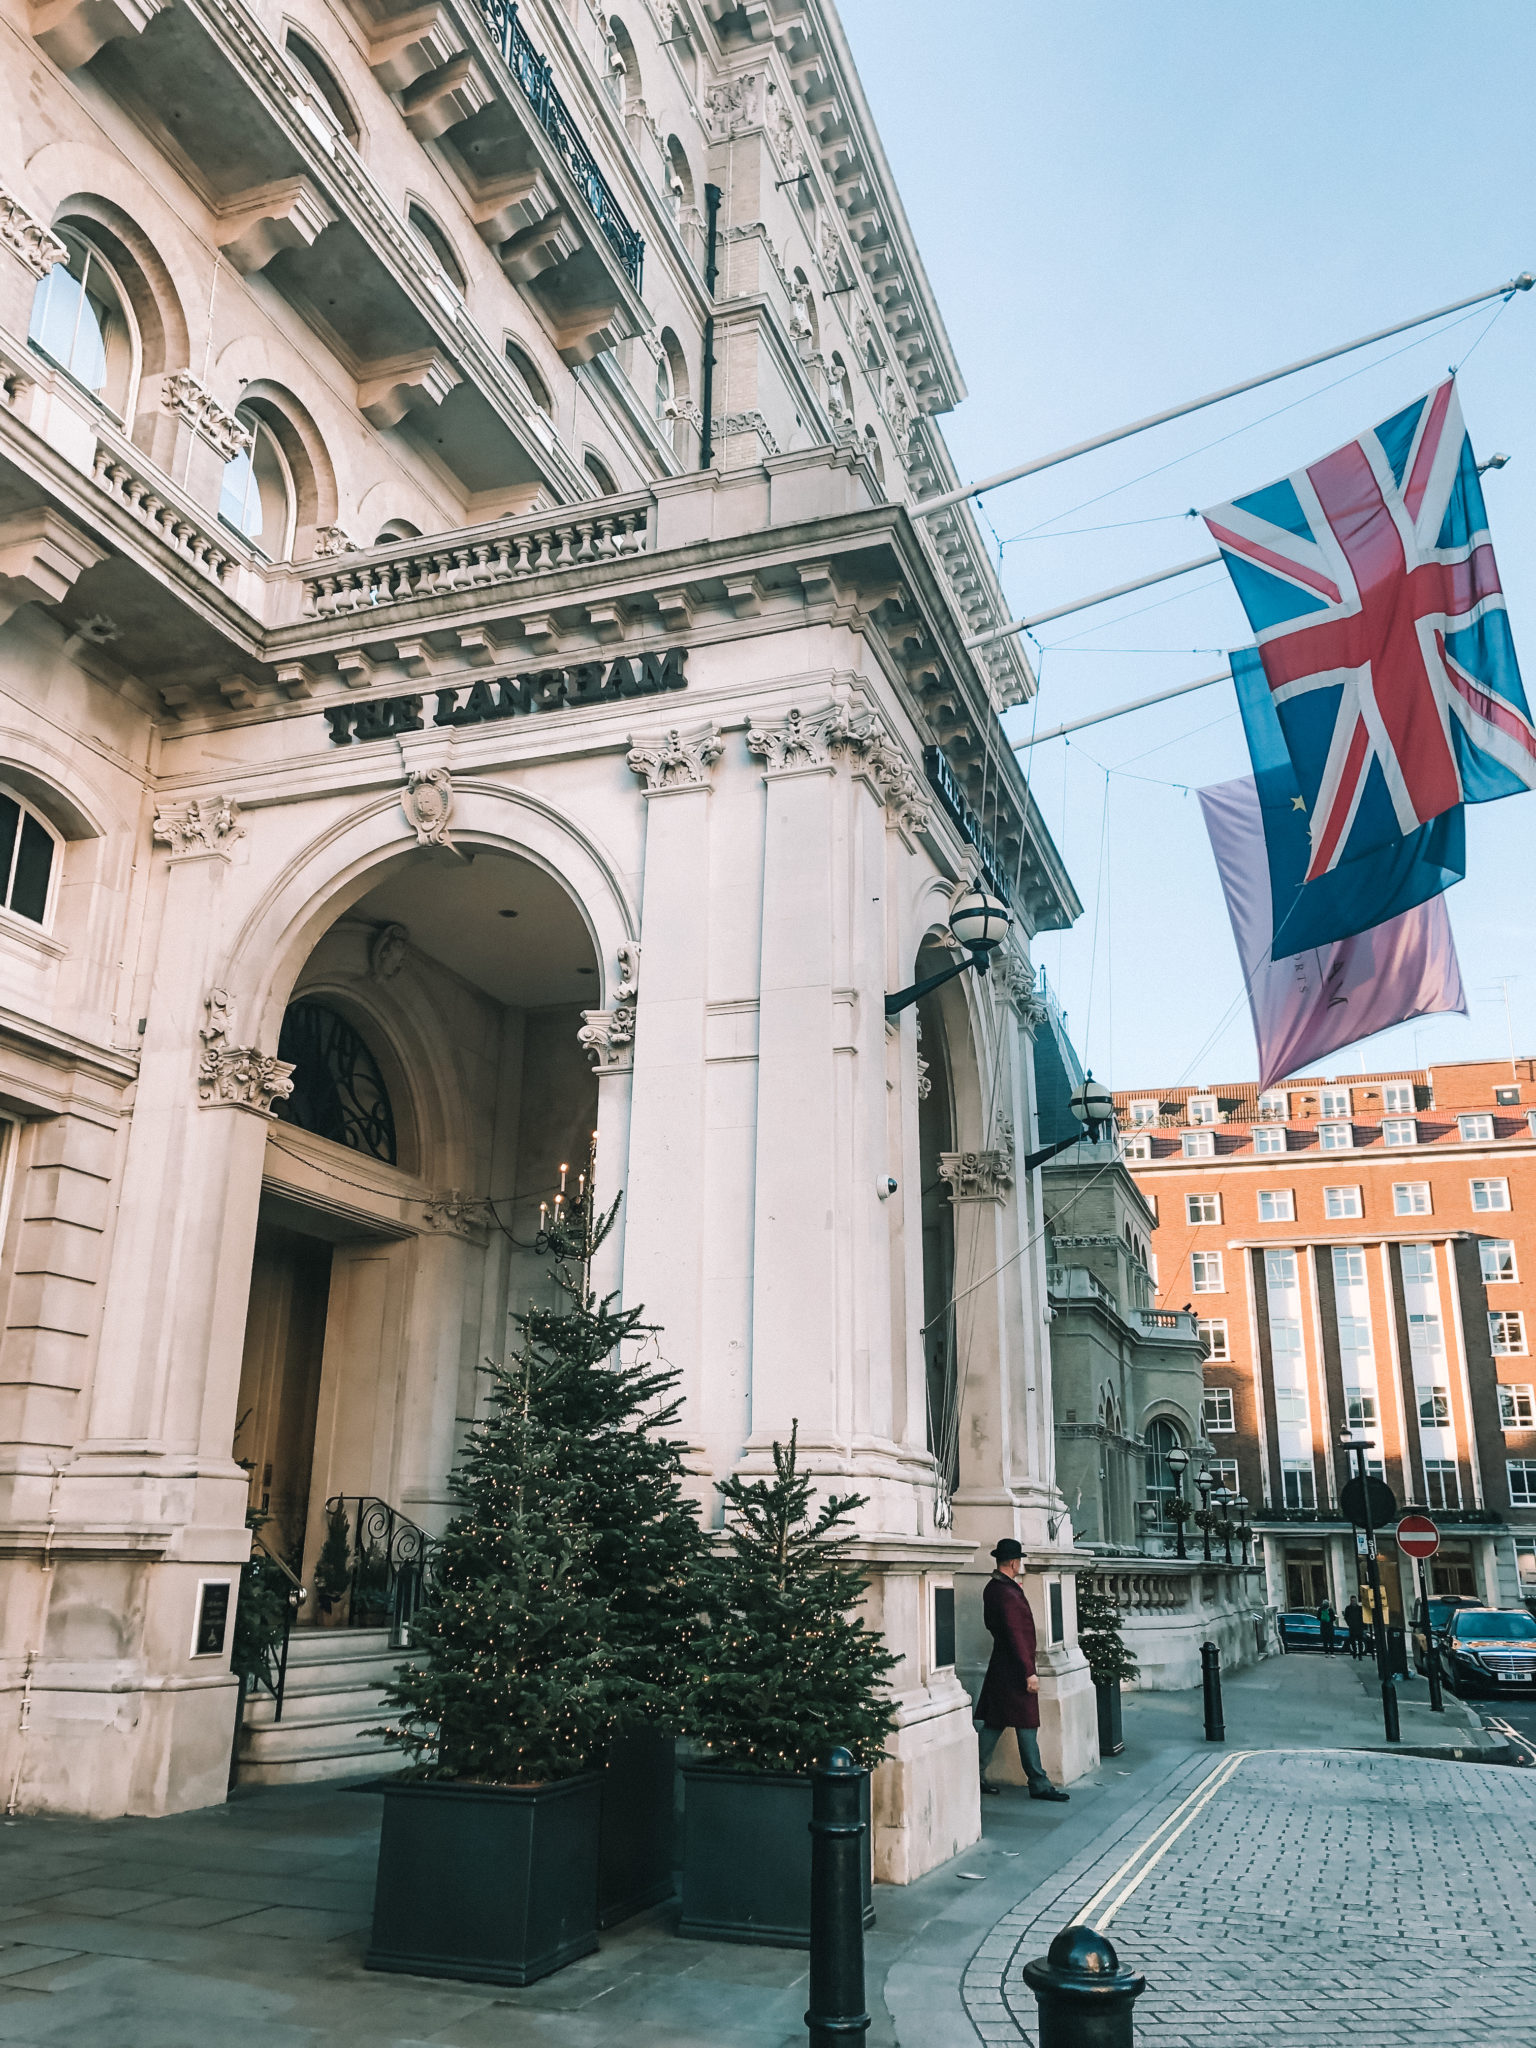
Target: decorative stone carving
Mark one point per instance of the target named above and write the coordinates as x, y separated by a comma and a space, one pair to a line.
980, 1176
387, 950
202, 825
800, 742
924, 1079
456, 1215
676, 763
780, 123
1018, 984
628, 956
830, 245
731, 106
749, 423
427, 802
240, 1075
26, 237
98, 630
332, 540
181, 394
608, 1037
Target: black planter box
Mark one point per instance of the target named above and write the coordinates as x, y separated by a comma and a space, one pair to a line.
635, 1862
1111, 1728
747, 1857
486, 1882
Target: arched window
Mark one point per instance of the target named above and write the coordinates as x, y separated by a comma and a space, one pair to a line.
436, 243
520, 363
327, 94
29, 858
257, 496
396, 529
338, 1091
80, 321
600, 474
623, 80
1162, 1438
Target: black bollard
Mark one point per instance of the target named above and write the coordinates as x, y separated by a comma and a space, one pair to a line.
837, 2013
1210, 1679
1083, 1995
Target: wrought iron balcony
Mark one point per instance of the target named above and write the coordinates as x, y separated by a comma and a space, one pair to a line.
533, 74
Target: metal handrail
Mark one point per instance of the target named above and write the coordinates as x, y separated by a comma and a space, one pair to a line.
389, 1557
272, 1558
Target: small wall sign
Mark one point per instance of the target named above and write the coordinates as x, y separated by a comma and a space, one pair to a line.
545, 689
212, 1626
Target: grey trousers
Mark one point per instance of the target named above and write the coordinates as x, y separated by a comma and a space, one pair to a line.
987, 1740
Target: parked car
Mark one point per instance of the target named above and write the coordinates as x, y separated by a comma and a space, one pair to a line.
1485, 1649
1300, 1629
1441, 1608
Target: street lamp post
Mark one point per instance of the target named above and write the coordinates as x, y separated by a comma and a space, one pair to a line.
1178, 1463
1204, 1482
1222, 1498
1355, 1443
1244, 1533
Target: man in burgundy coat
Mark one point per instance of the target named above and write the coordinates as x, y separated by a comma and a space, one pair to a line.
1009, 1692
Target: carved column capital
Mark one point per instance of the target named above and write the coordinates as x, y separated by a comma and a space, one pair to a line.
980, 1176
608, 1038
678, 763
200, 827
38, 247
241, 1076
455, 1215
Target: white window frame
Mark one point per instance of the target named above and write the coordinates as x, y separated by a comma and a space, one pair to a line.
1334, 1104
1273, 1262
1494, 1246
1207, 1275
1281, 1205
1522, 1495
1274, 1106
1506, 1333
1398, 1098
1490, 1195
1362, 1410
1270, 1139
1216, 1415
1399, 1130
1143, 1112
1199, 1144
1304, 1475
1437, 1472
1220, 1337
1482, 1131
16, 918
1293, 1408
1202, 1110
1138, 1146
1405, 1198
1340, 1204
1202, 1203
1431, 1395
1336, 1136
1517, 1407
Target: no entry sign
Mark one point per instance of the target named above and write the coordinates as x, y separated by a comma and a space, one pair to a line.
1417, 1536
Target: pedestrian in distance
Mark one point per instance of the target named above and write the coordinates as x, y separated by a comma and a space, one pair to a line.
1010, 1691
1325, 1625
1354, 1621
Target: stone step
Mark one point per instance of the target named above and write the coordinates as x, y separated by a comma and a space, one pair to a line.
334, 1691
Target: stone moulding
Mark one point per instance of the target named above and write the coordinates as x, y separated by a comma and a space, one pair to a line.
201, 826
677, 763
182, 395
608, 1037
240, 1076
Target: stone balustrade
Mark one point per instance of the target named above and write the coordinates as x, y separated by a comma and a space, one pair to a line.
509, 552
156, 503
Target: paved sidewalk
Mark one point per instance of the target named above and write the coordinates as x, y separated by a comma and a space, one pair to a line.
248, 1921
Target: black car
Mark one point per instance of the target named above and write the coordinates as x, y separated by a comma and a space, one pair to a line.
1300, 1629
1441, 1608
1486, 1649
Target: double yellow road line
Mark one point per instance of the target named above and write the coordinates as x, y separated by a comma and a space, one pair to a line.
1145, 1857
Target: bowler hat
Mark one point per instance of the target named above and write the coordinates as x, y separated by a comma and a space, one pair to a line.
1006, 1551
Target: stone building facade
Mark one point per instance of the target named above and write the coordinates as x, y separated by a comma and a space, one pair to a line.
1358, 1253
471, 679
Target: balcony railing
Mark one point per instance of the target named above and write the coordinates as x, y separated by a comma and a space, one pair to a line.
533, 74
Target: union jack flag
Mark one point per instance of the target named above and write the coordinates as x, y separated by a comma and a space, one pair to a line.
1370, 584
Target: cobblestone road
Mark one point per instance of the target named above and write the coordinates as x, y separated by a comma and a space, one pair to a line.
1307, 1898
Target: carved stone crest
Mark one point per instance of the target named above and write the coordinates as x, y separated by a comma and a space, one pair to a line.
427, 802
387, 950
240, 1075
608, 1037
676, 763
202, 825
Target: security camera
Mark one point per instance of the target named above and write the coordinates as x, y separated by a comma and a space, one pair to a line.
885, 1187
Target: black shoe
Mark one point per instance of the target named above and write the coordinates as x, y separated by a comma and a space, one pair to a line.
1049, 1792
995, 1791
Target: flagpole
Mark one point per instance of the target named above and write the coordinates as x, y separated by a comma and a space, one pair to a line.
1082, 604
926, 507
1119, 710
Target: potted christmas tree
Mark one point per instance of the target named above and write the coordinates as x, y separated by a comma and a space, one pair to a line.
791, 1673
1109, 1661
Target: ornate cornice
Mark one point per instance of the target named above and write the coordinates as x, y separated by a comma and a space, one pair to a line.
199, 827
676, 763
180, 393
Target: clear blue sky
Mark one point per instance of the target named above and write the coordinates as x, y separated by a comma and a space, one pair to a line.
1121, 205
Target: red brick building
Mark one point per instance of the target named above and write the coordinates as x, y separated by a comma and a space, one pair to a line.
1360, 1252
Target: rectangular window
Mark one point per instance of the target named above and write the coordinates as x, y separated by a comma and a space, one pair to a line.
1298, 1486
1506, 1330
1279, 1269
1291, 1410
1143, 1112
1498, 1259
1348, 1266
1355, 1335
1205, 1269
1213, 1335
1199, 1145
1223, 1472
1399, 1130
1475, 1130
1277, 1205
1419, 1264
1202, 1208
1271, 1140
1333, 1102
1507, 1097
1425, 1337
1341, 1202
1434, 1407
1360, 1407
1410, 1198
1285, 1336
1336, 1137
1138, 1148
1216, 1411
1490, 1194
1522, 1482
1202, 1109
1274, 1106
1517, 1407
1397, 1098
1442, 1483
